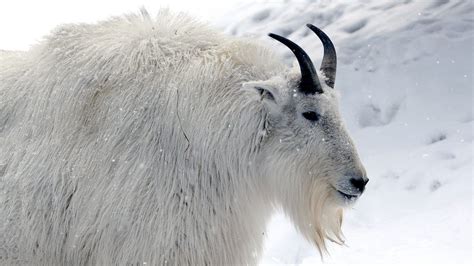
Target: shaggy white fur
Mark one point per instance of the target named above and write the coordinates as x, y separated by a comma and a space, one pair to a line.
132, 141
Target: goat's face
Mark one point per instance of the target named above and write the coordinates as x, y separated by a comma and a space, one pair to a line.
307, 155
306, 136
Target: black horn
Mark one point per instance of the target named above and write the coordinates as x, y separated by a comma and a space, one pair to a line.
309, 83
329, 63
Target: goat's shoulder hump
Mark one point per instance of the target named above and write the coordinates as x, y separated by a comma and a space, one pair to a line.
165, 35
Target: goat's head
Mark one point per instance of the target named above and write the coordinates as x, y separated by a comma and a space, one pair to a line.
307, 156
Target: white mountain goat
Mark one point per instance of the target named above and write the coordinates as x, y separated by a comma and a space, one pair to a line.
161, 141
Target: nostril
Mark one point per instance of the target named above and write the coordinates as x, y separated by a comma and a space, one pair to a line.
366, 181
359, 183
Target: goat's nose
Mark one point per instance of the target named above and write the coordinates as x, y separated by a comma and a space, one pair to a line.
359, 183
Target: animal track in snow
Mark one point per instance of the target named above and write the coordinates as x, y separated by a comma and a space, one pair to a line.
356, 26
437, 138
373, 115
261, 15
435, 185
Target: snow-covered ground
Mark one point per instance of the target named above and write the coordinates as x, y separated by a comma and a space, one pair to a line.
406, 78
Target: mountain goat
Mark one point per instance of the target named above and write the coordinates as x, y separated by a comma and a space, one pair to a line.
161, 141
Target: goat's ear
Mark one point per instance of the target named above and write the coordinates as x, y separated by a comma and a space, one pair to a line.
265, 91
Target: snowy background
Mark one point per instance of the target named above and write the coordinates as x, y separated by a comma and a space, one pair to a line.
406, 77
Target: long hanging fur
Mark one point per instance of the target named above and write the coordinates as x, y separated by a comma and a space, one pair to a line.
129, 141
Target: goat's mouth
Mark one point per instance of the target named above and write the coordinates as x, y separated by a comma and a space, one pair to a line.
348, 197
345, 197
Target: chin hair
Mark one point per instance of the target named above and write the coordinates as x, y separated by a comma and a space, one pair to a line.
319, 215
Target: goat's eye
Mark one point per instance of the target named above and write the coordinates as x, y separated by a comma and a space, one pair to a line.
311, 116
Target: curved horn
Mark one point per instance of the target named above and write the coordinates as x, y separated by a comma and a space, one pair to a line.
309, 83
329, 64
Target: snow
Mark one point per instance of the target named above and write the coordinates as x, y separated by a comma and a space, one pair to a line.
406, 78
405, 74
